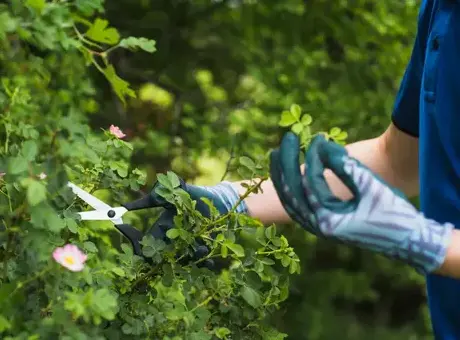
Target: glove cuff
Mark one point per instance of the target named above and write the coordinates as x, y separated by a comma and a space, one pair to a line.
228, 193
427, 246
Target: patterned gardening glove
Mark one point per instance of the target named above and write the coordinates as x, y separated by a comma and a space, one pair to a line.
378, 218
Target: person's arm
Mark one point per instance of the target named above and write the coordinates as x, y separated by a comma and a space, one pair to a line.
393, 155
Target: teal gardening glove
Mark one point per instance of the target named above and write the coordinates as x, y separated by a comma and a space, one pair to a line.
378, 218
224, 197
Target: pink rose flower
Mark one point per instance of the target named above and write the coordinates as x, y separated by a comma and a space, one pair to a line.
70, 257
115, 130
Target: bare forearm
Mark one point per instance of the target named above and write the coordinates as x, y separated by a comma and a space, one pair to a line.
393, 156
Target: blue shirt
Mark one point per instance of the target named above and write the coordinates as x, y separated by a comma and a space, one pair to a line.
428, 107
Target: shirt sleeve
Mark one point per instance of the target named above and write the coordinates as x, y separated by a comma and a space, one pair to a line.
405, 114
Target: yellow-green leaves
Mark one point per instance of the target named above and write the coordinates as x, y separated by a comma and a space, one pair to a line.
37, 5
100, 32
133, 43
120, 86
300, 124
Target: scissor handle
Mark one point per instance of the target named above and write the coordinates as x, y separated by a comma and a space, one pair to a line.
133, 235
152, 199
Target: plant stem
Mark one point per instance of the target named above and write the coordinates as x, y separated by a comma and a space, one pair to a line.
20, 285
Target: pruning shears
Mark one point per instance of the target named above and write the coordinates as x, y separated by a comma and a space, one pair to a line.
104, 212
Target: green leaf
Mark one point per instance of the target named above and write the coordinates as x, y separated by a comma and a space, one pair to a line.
173, 179
4, 324
222, 332
165, 181
173, 233
100, 33
335, 131
306, 119
270, 232
251, 296
287, 119
296, 111
89, 7
90, 246
297, 128
36, 193
236, 248
134, 44
267, 261
119, 271
285, 260
37, 5
72, 225
17, 165
121, 87
29, 150
224, 251
247, 162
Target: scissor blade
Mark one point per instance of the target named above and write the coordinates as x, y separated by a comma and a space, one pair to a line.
103, 215
88, 198
95, 215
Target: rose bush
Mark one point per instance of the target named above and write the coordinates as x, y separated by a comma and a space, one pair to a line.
61, 278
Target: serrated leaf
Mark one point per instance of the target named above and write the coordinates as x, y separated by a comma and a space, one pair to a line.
36, 193
101, 33
287, 119
121, 87
236, 248
247, 162
133, 43
251, 296
164, 181
173, 179
285, 260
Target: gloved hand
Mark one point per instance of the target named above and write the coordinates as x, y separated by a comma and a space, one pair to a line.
378, 218
223, 196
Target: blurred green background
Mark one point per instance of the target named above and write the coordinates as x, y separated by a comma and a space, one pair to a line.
223, 72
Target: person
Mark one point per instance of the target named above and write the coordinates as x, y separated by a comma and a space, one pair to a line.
357, 194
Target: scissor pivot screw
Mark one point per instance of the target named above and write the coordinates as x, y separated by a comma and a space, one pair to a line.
111, 213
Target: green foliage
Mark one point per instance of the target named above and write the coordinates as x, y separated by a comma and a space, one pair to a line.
46, 141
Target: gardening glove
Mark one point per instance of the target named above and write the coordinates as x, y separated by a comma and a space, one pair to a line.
223, 196
378, 218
